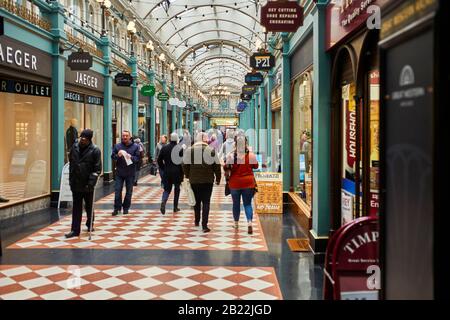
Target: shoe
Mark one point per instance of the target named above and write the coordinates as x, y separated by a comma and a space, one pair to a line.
89, 230
176, 210
163, 208
72, 234
236, 225
115, 213
3, 199
250, 230
135, 184
205, 230
125, 212
197, 224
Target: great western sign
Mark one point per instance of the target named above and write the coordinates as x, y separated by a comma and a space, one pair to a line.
21, 57
282, 16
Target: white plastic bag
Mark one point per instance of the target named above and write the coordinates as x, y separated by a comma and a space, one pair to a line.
186, 186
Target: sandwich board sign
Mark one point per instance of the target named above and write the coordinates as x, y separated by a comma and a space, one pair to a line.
65, 194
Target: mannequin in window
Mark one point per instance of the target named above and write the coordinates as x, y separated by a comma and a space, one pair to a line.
71, 134
305, 147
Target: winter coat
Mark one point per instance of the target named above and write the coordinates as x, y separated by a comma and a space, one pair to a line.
173, 172
203, 172
122, 169
85, 166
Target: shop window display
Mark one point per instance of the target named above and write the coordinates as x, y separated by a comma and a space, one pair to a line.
302, 138
73, 123
94, 121
25, 147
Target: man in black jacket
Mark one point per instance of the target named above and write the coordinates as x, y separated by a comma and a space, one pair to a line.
169, 160
85, 167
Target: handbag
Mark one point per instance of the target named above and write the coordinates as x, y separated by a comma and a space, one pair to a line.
186, 186
153, 169
227, 189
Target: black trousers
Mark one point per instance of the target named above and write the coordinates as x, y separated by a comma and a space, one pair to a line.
77, 211
202, 192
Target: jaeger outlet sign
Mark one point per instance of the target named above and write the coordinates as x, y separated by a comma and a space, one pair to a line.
19, 56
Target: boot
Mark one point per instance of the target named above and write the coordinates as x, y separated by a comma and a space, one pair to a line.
163, 208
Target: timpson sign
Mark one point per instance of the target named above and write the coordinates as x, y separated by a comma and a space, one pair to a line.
22, 57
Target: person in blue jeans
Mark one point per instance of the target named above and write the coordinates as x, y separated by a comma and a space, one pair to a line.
239, 166
127, 155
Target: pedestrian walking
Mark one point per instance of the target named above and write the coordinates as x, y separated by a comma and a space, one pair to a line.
238, 168
228, 145
126, 154
201, 166
85, 166
162, 143
169, 160
137, 140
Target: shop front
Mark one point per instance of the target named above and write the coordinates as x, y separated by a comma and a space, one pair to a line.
144, 124
302, 128
25, 108
83, 107
121, 112
355, 114
276, 127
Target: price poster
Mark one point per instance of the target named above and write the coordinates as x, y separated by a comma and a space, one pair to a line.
269, 198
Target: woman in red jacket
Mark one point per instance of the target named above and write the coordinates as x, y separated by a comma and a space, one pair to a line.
239, 168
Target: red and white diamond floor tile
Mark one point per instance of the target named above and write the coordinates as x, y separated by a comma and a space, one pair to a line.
60, 282
145, 194
148, 229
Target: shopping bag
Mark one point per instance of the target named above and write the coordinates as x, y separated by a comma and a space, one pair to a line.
186, 186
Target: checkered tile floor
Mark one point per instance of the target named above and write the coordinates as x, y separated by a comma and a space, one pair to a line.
137, 283
148, 229
153, 194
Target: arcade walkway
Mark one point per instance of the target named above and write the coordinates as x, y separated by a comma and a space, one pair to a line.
149, 256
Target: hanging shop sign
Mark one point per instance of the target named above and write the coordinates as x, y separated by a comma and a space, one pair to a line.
254, 78
123, 79
24, 87
248, 89
269, 198
19, 56
79, 61
148, 90
241, 106
262, 61
282, 16
246, 96
163, 96
345, 17
182, 104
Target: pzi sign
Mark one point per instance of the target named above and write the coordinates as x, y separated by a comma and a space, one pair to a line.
262, 61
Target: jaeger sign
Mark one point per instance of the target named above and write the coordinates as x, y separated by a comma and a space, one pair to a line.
79, 61
19, 56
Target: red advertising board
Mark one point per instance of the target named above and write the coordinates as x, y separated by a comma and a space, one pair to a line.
282, 16
345, 16
352, 261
